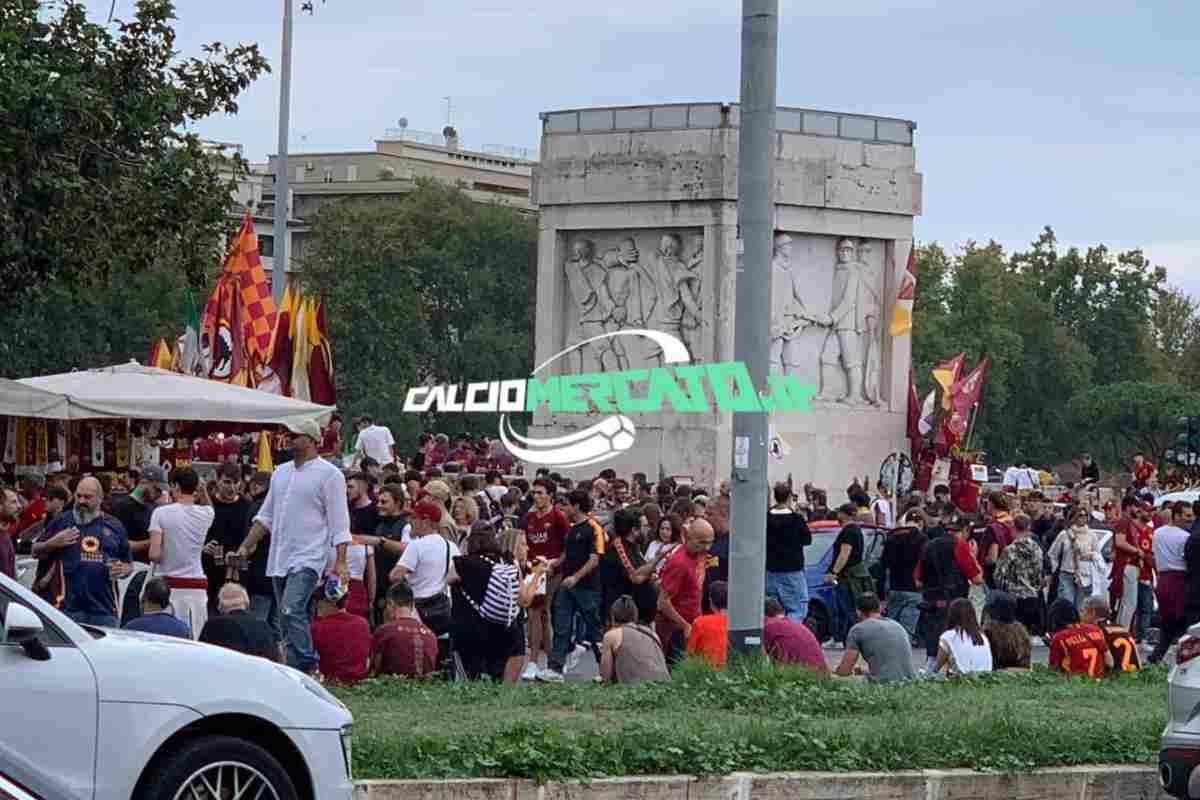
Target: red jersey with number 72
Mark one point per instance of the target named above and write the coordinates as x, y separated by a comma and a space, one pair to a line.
1079, 650
1126, 657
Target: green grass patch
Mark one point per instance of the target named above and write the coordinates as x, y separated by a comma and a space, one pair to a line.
752, 718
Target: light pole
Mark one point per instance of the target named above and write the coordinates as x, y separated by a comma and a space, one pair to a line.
756, 224
280, 263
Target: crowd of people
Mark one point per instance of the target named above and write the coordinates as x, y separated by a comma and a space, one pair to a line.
359, 562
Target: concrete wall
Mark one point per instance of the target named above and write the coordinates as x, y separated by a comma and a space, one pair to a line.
1068, 783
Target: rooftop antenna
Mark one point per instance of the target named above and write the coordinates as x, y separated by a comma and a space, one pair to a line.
449, 110
403, 123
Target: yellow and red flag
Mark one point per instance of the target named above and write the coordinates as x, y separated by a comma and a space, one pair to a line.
240, 314
902, 310
160, 355
947, 374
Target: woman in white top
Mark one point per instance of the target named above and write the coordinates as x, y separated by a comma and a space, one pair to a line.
1073, 556
963, 648
670, 533
360, 558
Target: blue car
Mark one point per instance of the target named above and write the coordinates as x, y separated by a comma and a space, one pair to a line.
818, 558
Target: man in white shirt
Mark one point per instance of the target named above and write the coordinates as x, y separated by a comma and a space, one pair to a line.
1170, 548
426, 562
305, 512
375, 441
177, 534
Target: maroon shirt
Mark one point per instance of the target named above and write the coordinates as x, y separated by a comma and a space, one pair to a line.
546, 533
208, 450
343, 643
8, 552
404, 647
789, 642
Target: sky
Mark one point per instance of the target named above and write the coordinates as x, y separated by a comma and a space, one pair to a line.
1081, 116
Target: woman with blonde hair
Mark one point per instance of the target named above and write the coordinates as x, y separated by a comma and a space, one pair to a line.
464, 512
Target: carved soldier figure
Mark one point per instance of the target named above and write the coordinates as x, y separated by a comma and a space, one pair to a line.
854, 299
789, 317
872, 341
586, 279
633, 295
679, 292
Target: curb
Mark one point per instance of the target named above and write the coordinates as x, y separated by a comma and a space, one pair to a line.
1098, 782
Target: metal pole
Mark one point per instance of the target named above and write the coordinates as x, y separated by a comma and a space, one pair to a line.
280, 267
756, 229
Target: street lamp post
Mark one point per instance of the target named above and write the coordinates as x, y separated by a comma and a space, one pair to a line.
280, 263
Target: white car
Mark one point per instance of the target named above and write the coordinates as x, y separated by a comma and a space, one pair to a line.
110, 715
1179, 750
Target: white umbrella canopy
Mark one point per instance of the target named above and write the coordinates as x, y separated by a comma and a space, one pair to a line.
19, 400
139, 392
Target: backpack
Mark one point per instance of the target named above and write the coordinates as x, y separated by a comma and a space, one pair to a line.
499, 596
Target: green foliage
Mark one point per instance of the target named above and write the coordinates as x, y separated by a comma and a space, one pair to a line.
752, 717
99, 179
1135, 415
428, 287
1053, 324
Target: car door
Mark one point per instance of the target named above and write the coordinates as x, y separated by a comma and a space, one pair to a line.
50, 708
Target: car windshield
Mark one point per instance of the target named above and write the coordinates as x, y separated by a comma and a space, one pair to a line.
821, 542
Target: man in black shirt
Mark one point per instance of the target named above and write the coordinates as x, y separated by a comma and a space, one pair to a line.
903, 550
231, 521
237, 629
847, 572
787, 536
262, 591
134, 510
579, 592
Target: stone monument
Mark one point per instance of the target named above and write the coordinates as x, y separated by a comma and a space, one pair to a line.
638, 230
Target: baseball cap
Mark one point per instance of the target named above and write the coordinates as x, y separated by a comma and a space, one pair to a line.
307, 428
153, 473
426, 509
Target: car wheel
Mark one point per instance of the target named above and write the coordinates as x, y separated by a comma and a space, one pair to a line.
818, 620
216, 767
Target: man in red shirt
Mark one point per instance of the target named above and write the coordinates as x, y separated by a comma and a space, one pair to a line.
1143, 471
787, 641
35, 504
545, 532
1122, 649
10, 507
681, 586
1127, 561
342, 640
1079, 648
403, 645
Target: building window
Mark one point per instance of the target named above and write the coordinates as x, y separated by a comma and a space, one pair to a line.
266, 246
352, 172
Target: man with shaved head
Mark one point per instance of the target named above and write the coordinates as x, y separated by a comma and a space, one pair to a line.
93, 549
681, 587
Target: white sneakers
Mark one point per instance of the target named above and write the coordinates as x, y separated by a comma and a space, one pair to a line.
531, 672
550, 676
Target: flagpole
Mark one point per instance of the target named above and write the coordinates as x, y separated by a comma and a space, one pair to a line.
280, 258
971, 427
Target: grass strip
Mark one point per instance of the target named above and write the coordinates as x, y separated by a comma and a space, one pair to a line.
752, 717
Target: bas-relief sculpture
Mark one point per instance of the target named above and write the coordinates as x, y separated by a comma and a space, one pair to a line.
620, 291
846, 338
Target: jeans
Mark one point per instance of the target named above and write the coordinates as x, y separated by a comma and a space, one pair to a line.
1145, 609
1067, 590
292, 595
264, 608
842, 614
100, 620
1129, 595
791, 590
576, 614
904, 607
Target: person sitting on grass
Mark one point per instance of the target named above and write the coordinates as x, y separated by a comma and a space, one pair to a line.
403, 645
882, 642
1076, 646
156, 612
787, 641
1011, 645
963, 648
709, 636
342, 640
631, 653
1122, 649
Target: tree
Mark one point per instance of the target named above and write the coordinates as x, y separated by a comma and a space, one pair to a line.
98, 173
1175, 321
1135, 416
430, 287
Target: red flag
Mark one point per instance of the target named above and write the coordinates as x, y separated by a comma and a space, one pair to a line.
964, 395
320, 367
914, 412
282, 344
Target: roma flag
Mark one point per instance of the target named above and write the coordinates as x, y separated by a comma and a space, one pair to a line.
902, 310
947, 374
254, 308
262, 460
320, 367
160, 355
282, 353
964, 394
914, 413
